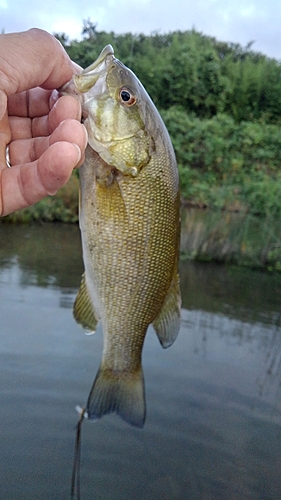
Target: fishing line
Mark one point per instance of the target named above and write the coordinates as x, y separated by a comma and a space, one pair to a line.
75, 478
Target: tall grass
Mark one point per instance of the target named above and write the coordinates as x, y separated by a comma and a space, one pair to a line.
239, 238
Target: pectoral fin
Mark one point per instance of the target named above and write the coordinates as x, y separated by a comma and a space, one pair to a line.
167, 323
83, 309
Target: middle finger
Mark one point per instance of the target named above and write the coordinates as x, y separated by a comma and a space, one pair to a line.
29, 150
66, 107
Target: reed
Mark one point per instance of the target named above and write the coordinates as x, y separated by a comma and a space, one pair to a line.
238, 238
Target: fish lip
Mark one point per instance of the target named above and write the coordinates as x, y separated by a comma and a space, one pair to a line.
107, 51
89, 76
84, 81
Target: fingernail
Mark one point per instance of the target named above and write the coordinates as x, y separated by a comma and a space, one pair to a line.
79, 154
53, 98
86, 136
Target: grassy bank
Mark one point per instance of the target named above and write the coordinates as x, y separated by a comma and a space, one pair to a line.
230, 237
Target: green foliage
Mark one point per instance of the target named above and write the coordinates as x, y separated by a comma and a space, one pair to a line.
223, 164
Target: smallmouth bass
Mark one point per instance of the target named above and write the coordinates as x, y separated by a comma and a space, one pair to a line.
130, 226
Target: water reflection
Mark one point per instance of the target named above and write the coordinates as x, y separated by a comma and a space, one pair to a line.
238, 292
214, 405
50, 255
46, 255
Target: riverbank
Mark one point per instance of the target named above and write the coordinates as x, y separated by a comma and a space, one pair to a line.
229, 237
207, 235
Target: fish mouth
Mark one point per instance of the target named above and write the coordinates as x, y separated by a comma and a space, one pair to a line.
90, 75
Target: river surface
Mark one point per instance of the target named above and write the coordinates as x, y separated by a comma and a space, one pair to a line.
213, 428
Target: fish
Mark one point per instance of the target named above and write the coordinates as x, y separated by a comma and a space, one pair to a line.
129, 219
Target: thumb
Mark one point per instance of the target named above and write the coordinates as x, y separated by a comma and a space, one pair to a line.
30, 59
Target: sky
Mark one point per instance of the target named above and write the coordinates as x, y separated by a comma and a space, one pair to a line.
240, 21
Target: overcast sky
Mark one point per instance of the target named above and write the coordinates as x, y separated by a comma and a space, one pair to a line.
239, 21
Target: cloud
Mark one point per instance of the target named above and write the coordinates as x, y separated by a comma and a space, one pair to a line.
238, 22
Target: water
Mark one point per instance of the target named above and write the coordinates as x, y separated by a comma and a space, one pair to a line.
213, 429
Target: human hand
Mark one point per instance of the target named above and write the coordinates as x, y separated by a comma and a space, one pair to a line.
45, 137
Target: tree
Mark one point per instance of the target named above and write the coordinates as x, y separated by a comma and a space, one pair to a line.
89, 29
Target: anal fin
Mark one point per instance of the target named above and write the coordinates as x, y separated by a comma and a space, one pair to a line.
83, 309
167, 323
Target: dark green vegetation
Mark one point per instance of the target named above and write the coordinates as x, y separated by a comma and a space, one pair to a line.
229, 165
62, 207
198, 73
222, 106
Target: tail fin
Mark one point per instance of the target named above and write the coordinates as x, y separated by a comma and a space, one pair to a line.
120, 392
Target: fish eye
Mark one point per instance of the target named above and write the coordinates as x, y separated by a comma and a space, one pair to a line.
127, 97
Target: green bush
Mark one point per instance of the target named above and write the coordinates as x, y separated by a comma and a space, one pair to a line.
223, 164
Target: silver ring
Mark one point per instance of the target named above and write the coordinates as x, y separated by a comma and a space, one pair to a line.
8, 157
